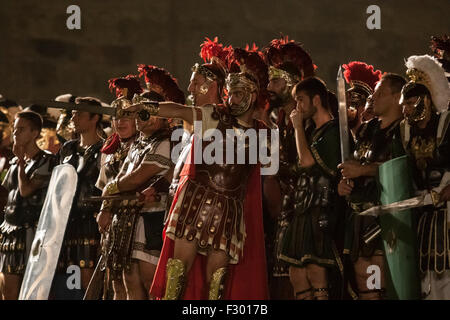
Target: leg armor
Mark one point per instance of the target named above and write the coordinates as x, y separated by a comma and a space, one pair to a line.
217, 285
176, 273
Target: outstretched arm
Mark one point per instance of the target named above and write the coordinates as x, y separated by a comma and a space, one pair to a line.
169, 110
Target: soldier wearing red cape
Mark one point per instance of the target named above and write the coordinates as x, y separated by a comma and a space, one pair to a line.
238, 234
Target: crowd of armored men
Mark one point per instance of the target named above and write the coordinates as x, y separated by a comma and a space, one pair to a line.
142, 226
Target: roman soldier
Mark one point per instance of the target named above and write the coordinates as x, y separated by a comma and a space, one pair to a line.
426, 138
308, 246
26, 182
81, 240
114, 153
288, 64
213, 245
362, 79
136, 237
206, 87
376, 142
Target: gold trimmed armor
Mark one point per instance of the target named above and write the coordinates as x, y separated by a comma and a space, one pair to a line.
429, 149
211, 206
176, 274
217, 285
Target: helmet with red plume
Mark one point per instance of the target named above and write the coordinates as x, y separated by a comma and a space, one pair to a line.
288, 60
160, 81
248, 73
125, 87
361, 77
215, 55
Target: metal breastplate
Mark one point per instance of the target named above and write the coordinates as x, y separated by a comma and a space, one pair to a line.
20, 211
229, 179
87, 165
430, 155
431, 167
312, 189
373, 144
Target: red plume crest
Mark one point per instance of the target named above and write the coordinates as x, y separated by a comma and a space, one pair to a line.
283, 51
162, 78
210, 49
131, 82
255, 64
360, 71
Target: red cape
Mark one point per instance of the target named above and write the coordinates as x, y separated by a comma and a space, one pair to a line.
246, 280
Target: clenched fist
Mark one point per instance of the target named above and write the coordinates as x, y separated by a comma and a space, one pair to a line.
104, 219
345, 187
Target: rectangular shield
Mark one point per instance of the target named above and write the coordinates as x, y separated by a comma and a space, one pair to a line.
47, 243
398, 232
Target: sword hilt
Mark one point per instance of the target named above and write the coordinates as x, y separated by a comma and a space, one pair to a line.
435, 198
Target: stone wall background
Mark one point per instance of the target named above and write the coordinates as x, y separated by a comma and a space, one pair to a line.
40, 58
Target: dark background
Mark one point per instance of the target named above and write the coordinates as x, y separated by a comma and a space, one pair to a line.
40, 58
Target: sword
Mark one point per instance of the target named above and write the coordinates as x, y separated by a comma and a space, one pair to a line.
135, 196
343, 122
426, 198
73, 106
124, 197
414, 202
95, 286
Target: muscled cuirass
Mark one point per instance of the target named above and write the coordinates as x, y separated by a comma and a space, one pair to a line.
20, 211
373, 144
228, 179
313, 189
87, 164
212, 209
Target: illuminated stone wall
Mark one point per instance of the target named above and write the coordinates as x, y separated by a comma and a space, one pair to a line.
41, 58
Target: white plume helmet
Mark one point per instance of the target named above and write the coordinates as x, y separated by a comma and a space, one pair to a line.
427, 70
